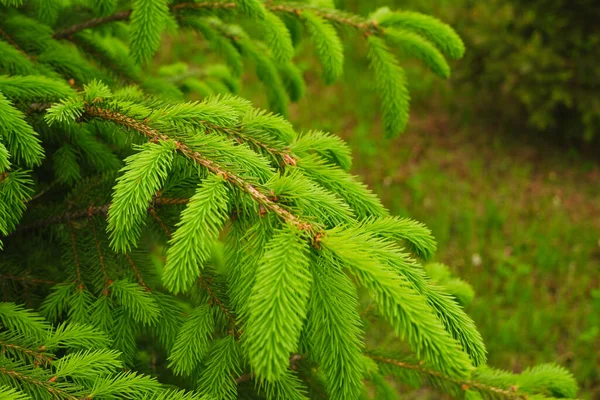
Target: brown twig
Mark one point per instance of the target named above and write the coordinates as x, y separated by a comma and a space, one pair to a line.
361, 24
62, 218
39, 107
119, 16
215, 300
137, 273
160, 222
27, 279
14, 44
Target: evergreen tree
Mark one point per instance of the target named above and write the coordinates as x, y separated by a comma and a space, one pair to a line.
158, 248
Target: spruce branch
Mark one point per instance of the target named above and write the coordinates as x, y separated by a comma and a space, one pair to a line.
92, 23
155, 136
86, 213
12, 42
39, 356
285, 155
214, 300
464, 384
45, 385
296, 9
338, 17
205, 283
199, 227
160, 222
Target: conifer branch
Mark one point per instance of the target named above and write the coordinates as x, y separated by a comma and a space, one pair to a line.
155, 136
86, 213
464, 384
363, 25
39, 356
284, 154
204, 283
27, 279
92, 23
214, 299
160, 222
46, 385
14, 44
138, 275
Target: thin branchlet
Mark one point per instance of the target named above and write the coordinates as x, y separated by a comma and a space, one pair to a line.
286, 157
46, 385
39, 357
363, 25
27, 279
92, 23
464, 384
105, 61
86, 213
137, 272
14, 44
214, 300
160, 222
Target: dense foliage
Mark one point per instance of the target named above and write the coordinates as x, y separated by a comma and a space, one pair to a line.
544, 60
166, 249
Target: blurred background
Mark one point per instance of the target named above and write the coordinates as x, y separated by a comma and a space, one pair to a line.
501, 162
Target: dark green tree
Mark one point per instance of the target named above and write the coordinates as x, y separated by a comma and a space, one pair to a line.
158, 248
